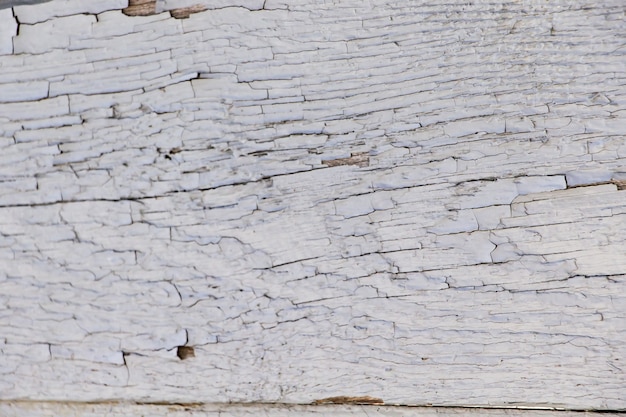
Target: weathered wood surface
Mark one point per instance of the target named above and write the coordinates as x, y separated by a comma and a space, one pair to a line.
49, 409
421, 202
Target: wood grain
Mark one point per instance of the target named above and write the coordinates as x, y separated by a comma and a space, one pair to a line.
342, 399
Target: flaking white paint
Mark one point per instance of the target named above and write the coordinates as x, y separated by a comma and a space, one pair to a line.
421, 203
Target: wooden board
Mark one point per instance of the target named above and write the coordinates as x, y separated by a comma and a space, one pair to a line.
49, 409
418, 202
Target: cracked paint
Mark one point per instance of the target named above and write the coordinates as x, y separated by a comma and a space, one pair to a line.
288, 202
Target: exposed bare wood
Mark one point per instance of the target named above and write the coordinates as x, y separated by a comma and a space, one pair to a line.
140, 8
185, 12
350, 400
358, 159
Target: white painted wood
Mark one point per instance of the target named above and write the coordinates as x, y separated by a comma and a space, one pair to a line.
8, 29
420, 202
7, 4
47, 409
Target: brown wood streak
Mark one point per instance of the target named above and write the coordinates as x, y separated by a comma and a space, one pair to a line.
360, 159
350, 400
185, 12
140, 8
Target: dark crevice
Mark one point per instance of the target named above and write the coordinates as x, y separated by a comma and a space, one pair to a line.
443, 182
185, 352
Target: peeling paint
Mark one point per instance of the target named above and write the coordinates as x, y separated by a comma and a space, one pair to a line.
283, 202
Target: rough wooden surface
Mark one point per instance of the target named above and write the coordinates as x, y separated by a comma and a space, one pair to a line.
49, 409
419, 202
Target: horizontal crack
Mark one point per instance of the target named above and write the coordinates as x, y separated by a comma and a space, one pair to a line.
198, 406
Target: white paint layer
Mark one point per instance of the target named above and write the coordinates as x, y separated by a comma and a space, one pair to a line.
8, 29
420, 202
